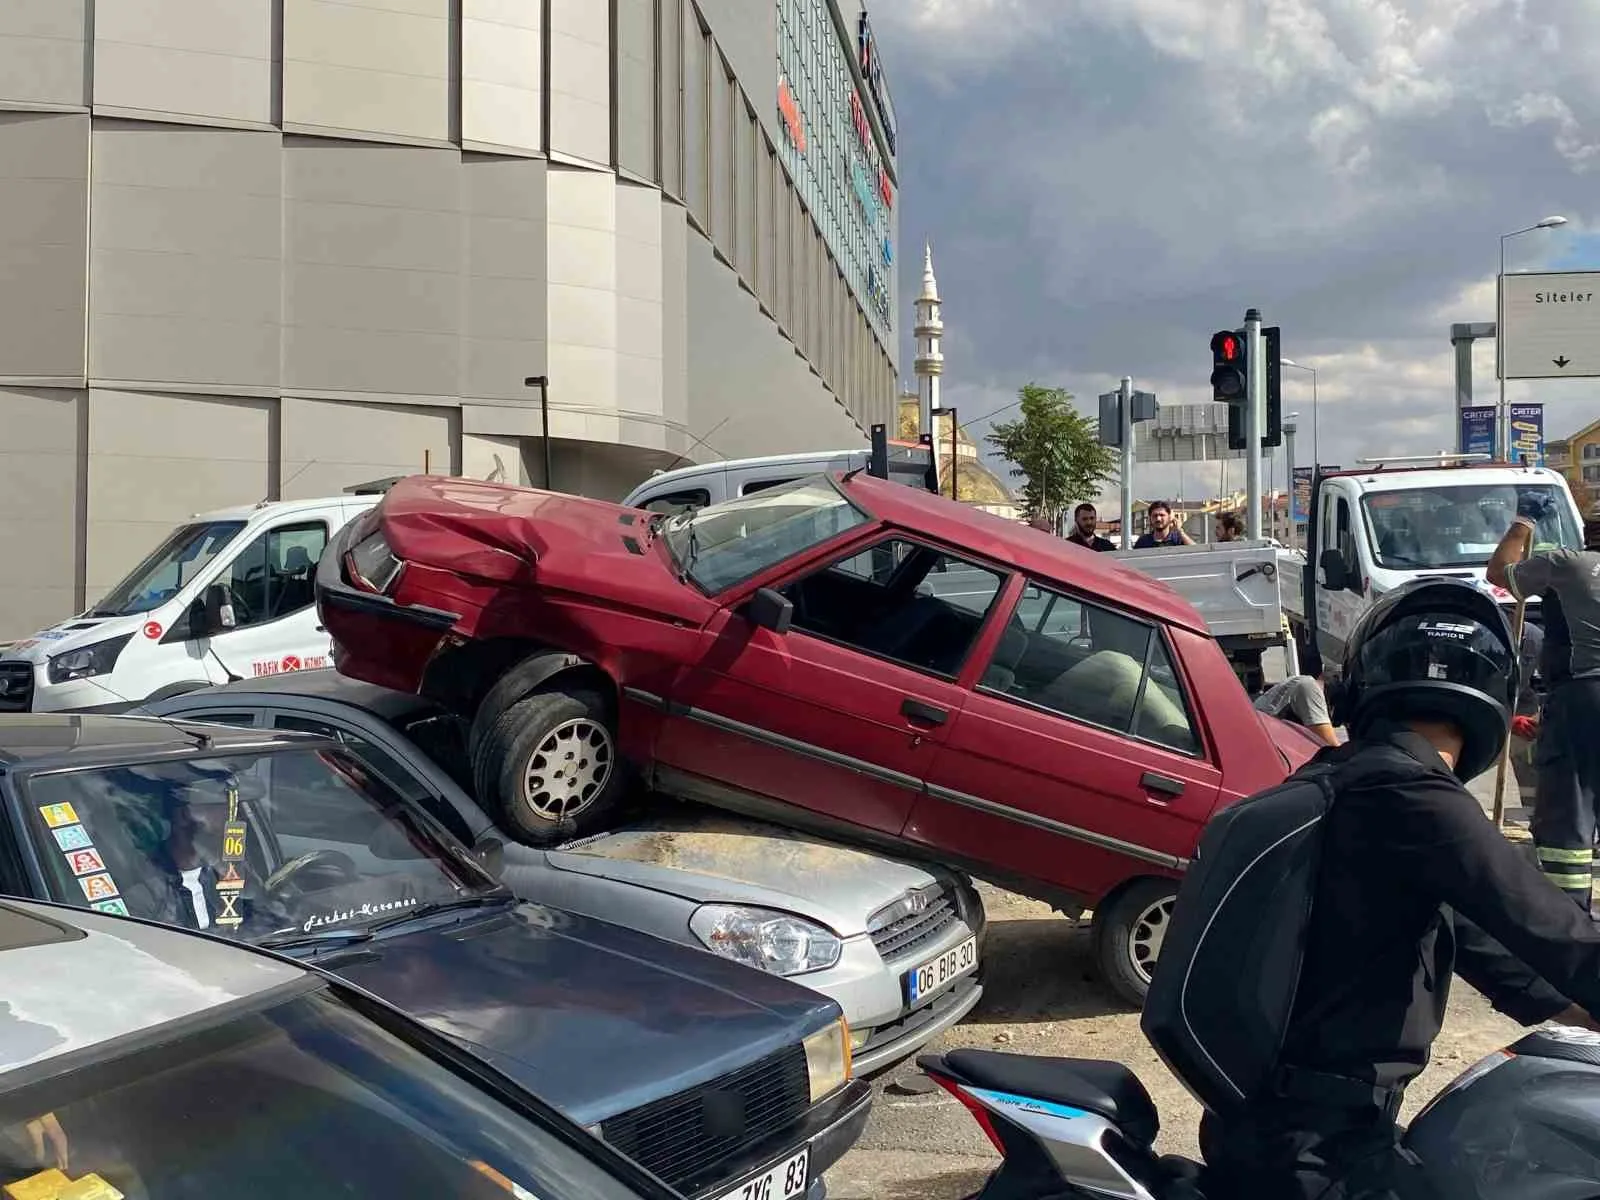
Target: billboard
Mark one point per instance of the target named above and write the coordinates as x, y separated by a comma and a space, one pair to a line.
1476, 433
1300, 495
1549, 325
1527, 434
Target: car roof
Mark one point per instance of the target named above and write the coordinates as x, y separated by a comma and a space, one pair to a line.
58, 962
35, 739
1018, 545
1378, 479
323, 683
284, 508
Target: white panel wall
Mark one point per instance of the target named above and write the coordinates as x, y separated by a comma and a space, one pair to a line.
639, 315
192, 57
582, 224
329, 446
494, 458
38, 505
501, 65
373, 66
156, 459
580, 79
41, 52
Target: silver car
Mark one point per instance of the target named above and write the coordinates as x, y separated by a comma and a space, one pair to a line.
139, 1062
898, 946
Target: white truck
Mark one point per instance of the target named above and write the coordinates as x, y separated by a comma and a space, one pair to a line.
1387, 522
227, 595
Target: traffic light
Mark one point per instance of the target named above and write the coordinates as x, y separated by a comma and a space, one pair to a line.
1274, 430
1229, 367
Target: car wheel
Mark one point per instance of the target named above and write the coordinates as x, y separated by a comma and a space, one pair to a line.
549, 767
1128, 935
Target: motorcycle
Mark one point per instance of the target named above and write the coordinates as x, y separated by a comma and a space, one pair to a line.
1522, 1122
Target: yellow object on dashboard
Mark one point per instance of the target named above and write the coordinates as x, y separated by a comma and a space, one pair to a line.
54, 1185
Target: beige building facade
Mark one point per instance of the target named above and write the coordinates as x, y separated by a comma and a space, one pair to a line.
263, 249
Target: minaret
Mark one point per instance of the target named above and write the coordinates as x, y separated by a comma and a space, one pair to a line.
929, 332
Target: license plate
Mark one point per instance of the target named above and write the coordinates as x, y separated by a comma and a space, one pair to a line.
937, 973
788, 1178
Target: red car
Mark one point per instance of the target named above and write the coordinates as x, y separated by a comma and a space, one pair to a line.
839, 653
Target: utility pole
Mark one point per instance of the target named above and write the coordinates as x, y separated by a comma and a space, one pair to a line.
1125, 429
1289, 428
542, 382
1255, 418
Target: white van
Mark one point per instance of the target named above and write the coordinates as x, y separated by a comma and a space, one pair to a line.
710, 483
1379, 526
228, 595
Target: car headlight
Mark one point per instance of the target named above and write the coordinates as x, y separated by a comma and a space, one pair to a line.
762, 937
828, 1064
95, 659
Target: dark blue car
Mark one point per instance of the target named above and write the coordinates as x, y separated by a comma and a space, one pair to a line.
722, 1080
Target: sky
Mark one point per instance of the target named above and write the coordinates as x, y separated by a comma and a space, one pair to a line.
1105, 183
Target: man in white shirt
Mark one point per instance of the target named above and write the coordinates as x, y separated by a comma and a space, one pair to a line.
1301, 699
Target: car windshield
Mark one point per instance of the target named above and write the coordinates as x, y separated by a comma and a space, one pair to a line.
725, 544
302, 1097
266, 847
169, 567
1460, 525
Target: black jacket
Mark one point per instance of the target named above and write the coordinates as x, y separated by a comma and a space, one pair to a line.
1417, 884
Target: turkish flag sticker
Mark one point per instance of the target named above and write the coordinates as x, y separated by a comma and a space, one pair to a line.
153, 630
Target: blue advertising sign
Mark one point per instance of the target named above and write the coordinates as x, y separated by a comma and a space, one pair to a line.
1476, 434
1300, 495
1527, 434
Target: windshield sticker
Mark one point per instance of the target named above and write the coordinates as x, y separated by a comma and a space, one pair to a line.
115, 907
72, 837
153, 630
52, 635
57, 815
85, 862
350, 914
98, 887
289, 662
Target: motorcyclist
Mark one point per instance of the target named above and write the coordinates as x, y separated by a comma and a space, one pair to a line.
1414, 885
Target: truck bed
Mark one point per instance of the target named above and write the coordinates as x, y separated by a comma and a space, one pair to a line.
1242, 589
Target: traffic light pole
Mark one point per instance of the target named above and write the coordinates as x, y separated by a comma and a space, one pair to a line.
1255, 414
1125, 420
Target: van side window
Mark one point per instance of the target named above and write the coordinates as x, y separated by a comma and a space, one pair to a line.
761, 485
676, 502
275, 575
1341, 532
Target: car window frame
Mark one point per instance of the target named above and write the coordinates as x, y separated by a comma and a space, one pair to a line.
892, 533
224, 575
1202, 750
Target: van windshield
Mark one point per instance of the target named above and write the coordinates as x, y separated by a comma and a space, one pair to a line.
1460, 525
168, 568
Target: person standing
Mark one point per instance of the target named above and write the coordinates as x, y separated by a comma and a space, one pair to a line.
1229, 527
1567, 583
1085, 520
1163, 530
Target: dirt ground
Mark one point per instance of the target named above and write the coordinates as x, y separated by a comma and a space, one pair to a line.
1042, 997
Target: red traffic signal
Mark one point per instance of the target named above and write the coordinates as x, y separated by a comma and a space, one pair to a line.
1228, 369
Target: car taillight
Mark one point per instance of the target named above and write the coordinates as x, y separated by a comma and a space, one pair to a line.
372, 565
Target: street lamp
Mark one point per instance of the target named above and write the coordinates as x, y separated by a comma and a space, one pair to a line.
1502, 424
1316, 462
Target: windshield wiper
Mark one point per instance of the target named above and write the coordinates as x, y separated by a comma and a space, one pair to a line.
295, 939
433, 907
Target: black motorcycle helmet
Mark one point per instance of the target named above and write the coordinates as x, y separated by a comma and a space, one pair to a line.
1434, 649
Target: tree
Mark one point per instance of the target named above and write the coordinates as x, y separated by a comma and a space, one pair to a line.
1056, 450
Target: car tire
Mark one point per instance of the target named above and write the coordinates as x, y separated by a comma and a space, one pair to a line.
1128, 934
549, 769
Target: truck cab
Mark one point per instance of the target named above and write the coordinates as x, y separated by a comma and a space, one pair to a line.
227, 595
1380, 526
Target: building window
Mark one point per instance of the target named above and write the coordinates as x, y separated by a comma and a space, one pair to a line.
670, 53
1591, 450
698, 58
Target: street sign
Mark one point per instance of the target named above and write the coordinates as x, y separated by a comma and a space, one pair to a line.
1476, 429
1527, 434
1550, 325
1144, 409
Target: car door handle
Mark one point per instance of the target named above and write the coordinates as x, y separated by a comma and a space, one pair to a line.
1160, 783
924, 714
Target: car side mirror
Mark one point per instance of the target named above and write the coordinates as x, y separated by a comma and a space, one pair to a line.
1335, 575
769, 609
218, 610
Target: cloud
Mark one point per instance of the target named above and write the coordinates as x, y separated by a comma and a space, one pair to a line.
1106, 184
